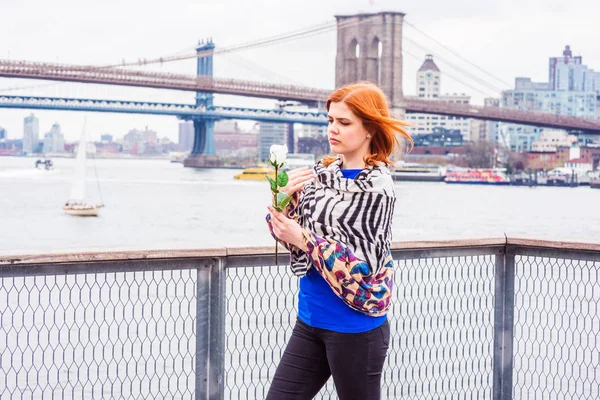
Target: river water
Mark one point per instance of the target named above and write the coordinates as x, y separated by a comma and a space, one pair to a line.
155, 204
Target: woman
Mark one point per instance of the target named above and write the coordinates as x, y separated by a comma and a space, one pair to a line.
338, 230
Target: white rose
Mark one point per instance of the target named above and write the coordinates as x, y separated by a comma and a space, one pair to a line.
278, 154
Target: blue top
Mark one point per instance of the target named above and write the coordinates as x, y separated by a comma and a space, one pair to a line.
320, 307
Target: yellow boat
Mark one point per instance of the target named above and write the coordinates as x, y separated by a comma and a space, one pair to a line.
255, 174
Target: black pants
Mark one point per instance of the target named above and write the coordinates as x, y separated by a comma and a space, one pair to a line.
355, 361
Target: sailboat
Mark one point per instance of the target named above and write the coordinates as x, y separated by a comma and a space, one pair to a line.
77, 203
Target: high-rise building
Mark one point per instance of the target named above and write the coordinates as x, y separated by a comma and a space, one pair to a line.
569, 73
54, 141
482, 129
31, 134
571, 90
186, 136
133, 142
429, 78
3, 134
297, 131
270, 134
149, 136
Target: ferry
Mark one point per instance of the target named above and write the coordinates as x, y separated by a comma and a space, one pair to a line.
419, 172
478, 176
292, 161
255, 174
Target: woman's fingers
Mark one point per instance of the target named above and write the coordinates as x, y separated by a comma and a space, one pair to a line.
276, 214
299, 173
297, 179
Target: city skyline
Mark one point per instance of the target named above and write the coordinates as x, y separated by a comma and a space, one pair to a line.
482, 33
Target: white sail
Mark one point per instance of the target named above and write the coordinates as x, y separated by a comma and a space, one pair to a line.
78, 188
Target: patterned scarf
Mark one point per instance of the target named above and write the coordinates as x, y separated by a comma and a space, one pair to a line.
348, 226
354, 212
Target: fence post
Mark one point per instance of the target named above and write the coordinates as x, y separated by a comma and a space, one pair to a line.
210, 330
504, 311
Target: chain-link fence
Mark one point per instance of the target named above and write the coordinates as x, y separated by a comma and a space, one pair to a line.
113, 334
213, 326
556, 325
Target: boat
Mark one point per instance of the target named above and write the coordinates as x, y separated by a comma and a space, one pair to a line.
293, 161
255, 174
419, 172
562, 177
479, 176
177, 157
77, 204
45, 164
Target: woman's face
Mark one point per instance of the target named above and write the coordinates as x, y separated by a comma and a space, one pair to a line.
347, 135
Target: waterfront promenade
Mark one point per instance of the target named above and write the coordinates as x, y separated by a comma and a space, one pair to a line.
473, 319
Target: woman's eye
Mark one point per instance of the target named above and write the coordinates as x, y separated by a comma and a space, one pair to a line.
345, 123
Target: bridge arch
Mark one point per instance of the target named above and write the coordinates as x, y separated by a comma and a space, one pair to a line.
380, 60
374, 55
352, 57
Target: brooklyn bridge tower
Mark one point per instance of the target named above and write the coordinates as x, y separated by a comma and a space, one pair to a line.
369, 48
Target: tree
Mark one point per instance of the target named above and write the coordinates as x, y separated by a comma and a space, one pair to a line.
515, 162
480, 154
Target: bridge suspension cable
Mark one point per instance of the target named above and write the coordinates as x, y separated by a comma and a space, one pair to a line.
281, 38
258, 69
456, 53
404, 51
313, 30
457, 68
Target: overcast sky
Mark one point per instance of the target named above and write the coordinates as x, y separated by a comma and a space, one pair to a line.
506, 38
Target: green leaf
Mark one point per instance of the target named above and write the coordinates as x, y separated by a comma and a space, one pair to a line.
282, 179
282, 200
273, 183
285, 202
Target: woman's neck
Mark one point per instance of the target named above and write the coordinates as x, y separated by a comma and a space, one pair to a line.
352, 162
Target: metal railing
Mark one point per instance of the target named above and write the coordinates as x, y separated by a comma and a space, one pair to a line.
484, 319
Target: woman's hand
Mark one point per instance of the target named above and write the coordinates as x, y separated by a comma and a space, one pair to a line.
286, 229
296, 180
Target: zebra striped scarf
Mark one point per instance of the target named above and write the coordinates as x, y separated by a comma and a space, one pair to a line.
357, 213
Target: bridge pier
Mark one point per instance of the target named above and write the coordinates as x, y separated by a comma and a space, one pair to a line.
204, 137
203, 152
291, 138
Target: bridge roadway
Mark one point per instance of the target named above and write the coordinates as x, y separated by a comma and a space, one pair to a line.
183, 111
116, 76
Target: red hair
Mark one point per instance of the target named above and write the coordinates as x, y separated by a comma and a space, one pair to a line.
368, 102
